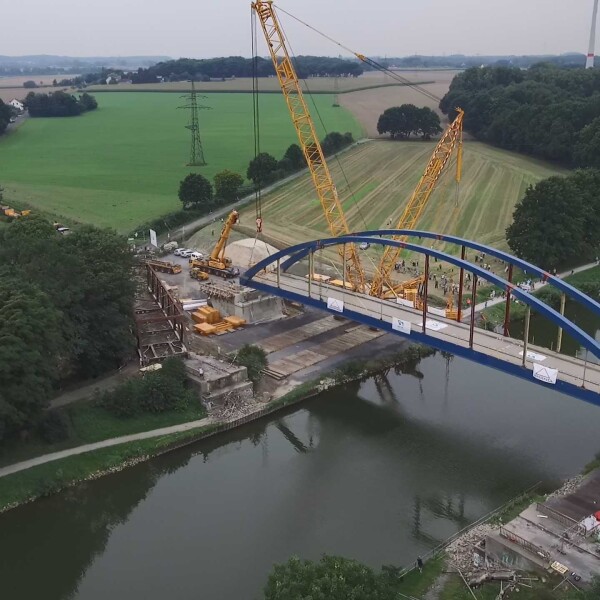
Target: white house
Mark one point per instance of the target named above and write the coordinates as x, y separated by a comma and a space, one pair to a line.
16, 104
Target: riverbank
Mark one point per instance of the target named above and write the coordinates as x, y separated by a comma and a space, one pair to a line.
54, 476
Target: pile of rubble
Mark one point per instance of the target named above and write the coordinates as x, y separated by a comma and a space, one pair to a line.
569, 487
233, 406
461, 550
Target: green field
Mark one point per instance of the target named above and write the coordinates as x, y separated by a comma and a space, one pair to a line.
120, 166
375, 180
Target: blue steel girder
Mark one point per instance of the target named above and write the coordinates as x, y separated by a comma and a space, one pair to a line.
299, 251
530, 268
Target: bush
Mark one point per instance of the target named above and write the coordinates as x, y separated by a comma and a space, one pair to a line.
159, 391
54, 427
254, 359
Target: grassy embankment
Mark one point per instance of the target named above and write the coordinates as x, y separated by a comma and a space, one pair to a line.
121, 165
587, 281
53, 477
89, 423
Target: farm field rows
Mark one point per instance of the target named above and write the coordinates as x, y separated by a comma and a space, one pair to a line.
381, 177
369, 79
120, 166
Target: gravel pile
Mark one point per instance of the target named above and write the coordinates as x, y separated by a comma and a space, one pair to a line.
460, 551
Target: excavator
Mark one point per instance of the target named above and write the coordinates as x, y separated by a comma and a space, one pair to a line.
217, 263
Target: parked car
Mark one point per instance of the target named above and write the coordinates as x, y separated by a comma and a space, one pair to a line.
364, 245
196, 256
179, 251
186, 253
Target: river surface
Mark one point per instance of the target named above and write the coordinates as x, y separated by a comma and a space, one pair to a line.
380, 471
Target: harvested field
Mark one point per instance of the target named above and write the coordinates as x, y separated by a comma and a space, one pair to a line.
383, 174
270, 84
367, 105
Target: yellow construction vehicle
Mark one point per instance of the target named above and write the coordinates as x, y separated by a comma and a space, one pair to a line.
309, 142
382, 285
196, 273
164, 266
217, 263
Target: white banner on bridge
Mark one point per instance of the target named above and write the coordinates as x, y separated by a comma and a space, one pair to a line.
440, 312
404, 302
401, 326
534, 356
335, 304
545, 373
153, 239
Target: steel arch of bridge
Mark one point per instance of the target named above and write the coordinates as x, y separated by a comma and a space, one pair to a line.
292, 255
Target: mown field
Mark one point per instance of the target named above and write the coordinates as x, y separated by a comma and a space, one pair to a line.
381, 176
121, 165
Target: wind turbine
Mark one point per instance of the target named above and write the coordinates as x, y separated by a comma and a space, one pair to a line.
589, 63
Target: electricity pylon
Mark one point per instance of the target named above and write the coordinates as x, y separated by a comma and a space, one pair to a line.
336, 91
196, 150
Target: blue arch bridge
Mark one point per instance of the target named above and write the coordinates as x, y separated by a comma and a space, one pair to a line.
574, 376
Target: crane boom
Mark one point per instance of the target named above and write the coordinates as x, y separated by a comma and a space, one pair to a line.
441, 155
309, 142
218, 252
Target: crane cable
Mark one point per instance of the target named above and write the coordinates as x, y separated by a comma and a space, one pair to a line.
369, 61
256, 116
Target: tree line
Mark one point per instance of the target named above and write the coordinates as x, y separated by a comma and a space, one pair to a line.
238, 66
197, 192
6, 112
59, 104
549, 112
66, 312
406, 120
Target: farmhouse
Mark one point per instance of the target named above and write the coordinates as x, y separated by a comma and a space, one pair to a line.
17, 104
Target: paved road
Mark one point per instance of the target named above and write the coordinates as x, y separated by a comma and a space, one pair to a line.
46, 458
185, 231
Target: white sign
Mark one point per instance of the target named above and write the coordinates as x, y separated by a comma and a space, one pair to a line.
440, 312
336, 305
404, 302
401, 326
534, 356
153, 239
433, 325
545, 373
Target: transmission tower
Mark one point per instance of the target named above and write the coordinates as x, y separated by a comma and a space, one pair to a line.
196, 151
336, 91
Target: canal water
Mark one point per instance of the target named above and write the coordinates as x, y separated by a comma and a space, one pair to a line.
380, 471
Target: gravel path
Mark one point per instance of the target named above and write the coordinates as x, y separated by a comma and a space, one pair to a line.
46, 458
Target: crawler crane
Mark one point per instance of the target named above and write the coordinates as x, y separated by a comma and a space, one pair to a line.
309, 142
217, 263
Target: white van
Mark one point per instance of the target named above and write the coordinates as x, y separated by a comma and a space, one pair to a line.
196, 256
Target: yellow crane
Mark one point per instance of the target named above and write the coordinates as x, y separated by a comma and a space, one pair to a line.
309, 142
217, 263
382, 285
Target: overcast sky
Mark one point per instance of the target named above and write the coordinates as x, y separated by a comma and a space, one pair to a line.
205, 28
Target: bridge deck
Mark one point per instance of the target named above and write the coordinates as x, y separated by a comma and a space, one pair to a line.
570, 370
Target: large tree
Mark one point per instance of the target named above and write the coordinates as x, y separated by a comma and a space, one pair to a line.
5, 115
331, 578
261, 169
587, 149
31, 347
295, 158
196, 191
227, 185
556, 223
428, 123
399, 121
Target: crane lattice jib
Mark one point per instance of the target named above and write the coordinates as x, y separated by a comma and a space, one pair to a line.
309, 142
441, 155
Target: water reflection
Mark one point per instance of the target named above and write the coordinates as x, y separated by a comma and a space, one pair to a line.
380, 471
